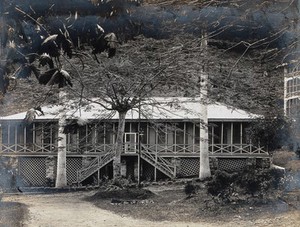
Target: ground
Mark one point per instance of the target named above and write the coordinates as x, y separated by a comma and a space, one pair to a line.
165, 206
157, 204
12, 213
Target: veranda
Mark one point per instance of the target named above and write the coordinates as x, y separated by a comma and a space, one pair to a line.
163, 145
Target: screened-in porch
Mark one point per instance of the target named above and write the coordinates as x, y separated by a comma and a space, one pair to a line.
173, 138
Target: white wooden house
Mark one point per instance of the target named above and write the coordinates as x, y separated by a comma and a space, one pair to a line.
163, 137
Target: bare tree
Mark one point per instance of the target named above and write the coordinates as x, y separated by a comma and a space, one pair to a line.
121, 84
146, 67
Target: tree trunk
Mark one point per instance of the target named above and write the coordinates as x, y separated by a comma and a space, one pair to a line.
119, 145
204, 171
61, 173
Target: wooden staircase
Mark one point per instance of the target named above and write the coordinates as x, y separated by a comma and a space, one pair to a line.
149, 156
160, 163
94, 166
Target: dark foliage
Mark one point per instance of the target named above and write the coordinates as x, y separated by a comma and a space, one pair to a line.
254, 180
221, 185
54, 76
190, 189
251, 181
4, 81
54, 43
298, 152
271, 133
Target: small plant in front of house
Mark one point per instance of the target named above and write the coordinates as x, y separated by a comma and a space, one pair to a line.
255, 181
221, 187
248, 185
190, 189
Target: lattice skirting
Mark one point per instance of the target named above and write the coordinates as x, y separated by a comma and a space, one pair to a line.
33, 170
231, 164
188, 167
73, 164
147, 171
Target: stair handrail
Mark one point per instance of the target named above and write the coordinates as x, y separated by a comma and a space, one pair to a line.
94, 164
164, 165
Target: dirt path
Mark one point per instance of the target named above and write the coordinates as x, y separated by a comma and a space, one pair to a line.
68, 209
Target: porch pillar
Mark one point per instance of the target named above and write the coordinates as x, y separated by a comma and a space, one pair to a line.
222, 136
212, 139
42, 136
231, 137
1, 136
155, 169
8, 134
184, 136
94, 138
16, 137
25, 137
241, 137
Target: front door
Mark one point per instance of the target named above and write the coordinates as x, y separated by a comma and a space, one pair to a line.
130, 142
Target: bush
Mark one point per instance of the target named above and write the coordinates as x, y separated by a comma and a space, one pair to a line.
272, 133
250, 182
190, 189
221, 185
121, 182
255, 181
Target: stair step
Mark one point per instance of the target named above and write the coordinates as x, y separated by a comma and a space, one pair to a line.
158, 165
95, 165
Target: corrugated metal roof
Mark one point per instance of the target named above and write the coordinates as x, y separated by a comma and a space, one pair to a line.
156, 108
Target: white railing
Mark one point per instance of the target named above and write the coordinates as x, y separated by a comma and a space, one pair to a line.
160, 163
172, 149
96, 164
236, 149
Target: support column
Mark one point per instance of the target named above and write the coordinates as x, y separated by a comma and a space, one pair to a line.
222, 135
212, 139
25, 138
1, 136
8, 134
42, 136
16, 137
231, 137
33, 136
184, 136
156, 142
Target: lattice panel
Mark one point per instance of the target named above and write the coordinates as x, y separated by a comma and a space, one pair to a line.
159, 174
231, 164
189, 167
148, 171
33, 171
73, 164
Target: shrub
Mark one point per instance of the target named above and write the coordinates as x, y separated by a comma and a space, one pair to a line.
251, 181
255, 181
221, 185
190, 189
121, 182
272, 133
